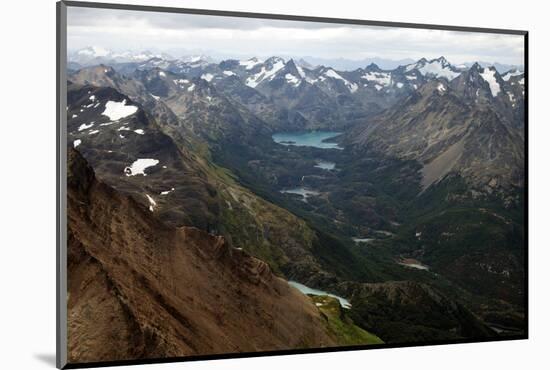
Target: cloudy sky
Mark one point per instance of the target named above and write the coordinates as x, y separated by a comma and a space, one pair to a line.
223, 37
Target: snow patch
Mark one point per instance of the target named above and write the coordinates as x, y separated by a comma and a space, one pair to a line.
333, 74
191, 88
228, 73
489, 76
155, 97
383, 79
84, 126
509, 74
399, 85
76, 143
139, 166
118, 110
167, 191
107, 123
181, 81
301, 71
152, 203
139, 131
512, 98
207, 77
93, 132
292, 79
441, 88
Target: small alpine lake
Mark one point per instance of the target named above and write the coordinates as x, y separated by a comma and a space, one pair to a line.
325, 165
307, 290
303, 192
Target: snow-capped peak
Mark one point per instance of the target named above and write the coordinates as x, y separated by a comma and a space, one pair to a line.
250, 63
197, 60
267, 72
98, 54
331, 73
439, 67
511, 73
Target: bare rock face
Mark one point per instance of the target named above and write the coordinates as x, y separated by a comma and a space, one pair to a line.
141, 289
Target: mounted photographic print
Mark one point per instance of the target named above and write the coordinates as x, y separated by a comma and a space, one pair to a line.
238, 184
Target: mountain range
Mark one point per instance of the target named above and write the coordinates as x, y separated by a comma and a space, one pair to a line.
94, 55
418, 206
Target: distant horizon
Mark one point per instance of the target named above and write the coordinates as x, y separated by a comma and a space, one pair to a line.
361, 63
221, 36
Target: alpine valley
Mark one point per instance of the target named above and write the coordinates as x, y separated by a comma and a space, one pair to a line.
272, 204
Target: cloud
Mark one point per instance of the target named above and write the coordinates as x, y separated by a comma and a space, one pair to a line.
234, 36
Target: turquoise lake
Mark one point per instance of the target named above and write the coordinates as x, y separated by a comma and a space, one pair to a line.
308, 138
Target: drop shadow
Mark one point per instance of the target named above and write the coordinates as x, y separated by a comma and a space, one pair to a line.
46, 358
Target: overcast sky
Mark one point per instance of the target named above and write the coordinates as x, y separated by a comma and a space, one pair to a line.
177, 34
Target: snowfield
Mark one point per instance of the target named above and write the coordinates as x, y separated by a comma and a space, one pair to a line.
84, 126
435, 68
139, 166
332, 74
207, 77
250, 63
265, 74
383, 79
118, 110
489, 76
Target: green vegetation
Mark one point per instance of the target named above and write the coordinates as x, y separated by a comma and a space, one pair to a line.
471, 241
340, 325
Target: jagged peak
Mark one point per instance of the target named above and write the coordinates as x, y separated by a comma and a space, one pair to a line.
476, 68
373, 67
442, 60
274, 59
